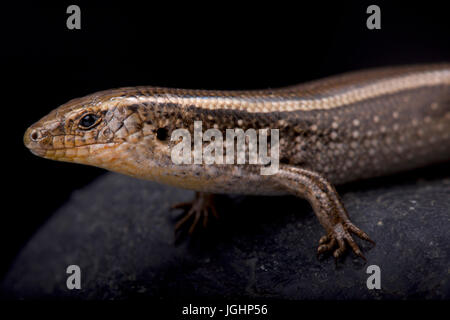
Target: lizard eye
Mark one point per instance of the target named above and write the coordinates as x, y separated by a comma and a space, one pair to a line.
89, 121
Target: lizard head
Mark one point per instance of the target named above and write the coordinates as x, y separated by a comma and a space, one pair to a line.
102, 129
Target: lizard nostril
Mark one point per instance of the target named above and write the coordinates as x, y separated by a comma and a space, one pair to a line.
34, 135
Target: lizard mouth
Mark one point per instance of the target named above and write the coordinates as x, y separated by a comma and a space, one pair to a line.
38, 151
40, 144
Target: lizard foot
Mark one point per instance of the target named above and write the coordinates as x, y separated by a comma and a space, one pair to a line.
201, 206
339, 236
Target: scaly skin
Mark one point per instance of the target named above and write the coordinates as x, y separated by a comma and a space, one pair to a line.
332, 131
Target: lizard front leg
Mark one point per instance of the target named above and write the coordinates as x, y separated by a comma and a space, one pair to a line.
201, 206
327, 206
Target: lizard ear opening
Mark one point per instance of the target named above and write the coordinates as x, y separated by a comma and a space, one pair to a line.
162, 134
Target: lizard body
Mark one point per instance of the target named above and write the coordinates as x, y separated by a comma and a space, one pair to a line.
331, 131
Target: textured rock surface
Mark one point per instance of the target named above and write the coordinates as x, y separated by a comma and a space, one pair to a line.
119, 230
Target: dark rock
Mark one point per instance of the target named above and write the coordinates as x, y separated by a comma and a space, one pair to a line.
119, 230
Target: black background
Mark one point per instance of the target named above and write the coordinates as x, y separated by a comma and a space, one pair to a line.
217, 45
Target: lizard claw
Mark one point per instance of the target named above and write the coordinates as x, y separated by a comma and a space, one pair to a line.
201, 206
340, 237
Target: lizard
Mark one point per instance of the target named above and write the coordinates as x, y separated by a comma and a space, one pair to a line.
339, 129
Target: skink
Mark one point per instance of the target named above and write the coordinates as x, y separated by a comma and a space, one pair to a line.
332, 131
